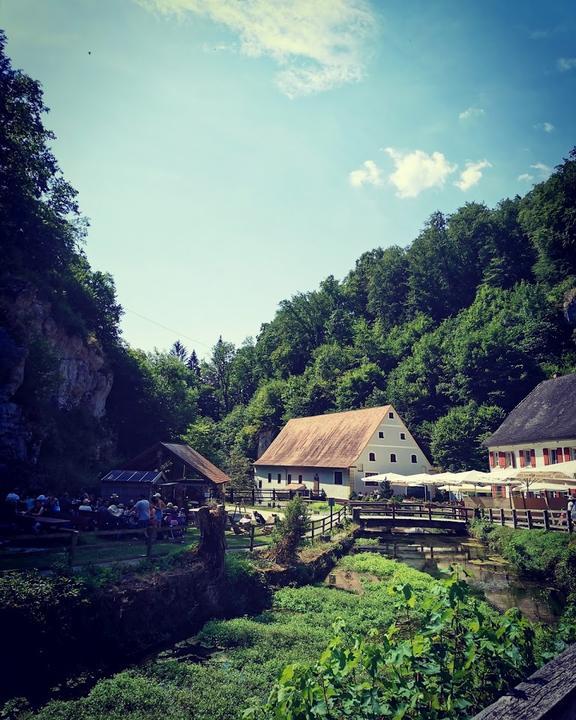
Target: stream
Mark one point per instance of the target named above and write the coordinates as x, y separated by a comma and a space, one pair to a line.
503, 589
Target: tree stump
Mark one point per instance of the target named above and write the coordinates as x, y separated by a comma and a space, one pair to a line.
212, 546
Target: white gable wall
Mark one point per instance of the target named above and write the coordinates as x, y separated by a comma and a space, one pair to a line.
386, 449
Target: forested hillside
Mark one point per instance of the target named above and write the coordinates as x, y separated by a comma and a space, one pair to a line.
453, 330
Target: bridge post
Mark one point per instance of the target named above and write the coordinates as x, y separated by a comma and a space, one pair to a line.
430, 513
514, 518
529, 516
490, 515
393, 511
356, 514
569, 519
546, 520
502, 521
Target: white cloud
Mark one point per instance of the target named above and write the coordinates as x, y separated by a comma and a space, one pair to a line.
543, 170
546, 126
368, 174
417, 171
318, 44
472, 174
565, 64
470, 113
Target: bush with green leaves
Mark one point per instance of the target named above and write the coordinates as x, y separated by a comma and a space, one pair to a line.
290, 531
457, 658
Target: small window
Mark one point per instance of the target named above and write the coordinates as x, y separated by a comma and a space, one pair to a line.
402, 436
299, 478
413, 458
289, 478
279, 478
269, 477
259, 484
370, 474
371, 483
372, 457
337, 477
380, 434
392, 457
391, 415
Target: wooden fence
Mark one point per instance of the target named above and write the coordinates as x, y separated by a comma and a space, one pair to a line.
406, 511
558, 520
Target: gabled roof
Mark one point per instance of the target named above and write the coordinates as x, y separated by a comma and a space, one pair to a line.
334, 440
547, 413
150, 459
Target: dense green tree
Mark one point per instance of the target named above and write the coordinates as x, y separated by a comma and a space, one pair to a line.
456, 439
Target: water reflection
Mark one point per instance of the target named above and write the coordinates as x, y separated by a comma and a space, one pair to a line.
434, 554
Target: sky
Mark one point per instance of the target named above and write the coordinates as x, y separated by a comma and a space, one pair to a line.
231, 154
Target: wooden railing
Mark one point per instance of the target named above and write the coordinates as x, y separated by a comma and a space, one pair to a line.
426, 511
323, 525
558, 520
263, 497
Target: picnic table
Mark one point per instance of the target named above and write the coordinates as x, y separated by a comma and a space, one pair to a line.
44, 520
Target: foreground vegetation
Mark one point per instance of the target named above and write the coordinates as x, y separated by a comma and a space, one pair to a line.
411, 646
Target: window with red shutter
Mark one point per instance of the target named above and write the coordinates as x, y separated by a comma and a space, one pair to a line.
491, 455
567, 455
559, 457
546, 456
522, 458
502, 459
532, 458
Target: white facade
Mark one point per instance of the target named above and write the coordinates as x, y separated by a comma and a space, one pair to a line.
390, 449
553, 455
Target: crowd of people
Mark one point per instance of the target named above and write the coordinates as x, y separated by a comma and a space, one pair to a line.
87, 512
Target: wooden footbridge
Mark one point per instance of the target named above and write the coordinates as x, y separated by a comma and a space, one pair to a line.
384, 516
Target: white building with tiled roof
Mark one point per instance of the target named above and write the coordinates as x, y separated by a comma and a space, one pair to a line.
337, 451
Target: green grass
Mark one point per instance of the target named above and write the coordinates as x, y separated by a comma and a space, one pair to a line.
249, 653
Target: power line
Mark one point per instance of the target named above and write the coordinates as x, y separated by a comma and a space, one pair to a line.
165, 327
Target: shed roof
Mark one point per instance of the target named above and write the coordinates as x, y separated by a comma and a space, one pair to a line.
333, 440
547, 413
192, 458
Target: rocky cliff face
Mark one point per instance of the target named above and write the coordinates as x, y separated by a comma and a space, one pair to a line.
80, 378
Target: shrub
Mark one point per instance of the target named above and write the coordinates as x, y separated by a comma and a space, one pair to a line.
290, 531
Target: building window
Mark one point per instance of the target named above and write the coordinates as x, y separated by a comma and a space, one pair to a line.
279, 478
371, 483
372, 457
289, 478
413, 458
269, 477
370, 474
392, 457
391, 415
402, 436
337, 477
380, 434
259, 484
299, 478
553, 457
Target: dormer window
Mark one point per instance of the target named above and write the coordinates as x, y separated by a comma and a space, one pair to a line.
402, 436
372, 457
391, 415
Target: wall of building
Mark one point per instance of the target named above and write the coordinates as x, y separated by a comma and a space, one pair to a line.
556, 461
391, 453
304, 475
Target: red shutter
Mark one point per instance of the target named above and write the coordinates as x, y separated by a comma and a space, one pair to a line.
502, 459
559, 457
492, 462
546, 456
566, 454
532, 458
522, 459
